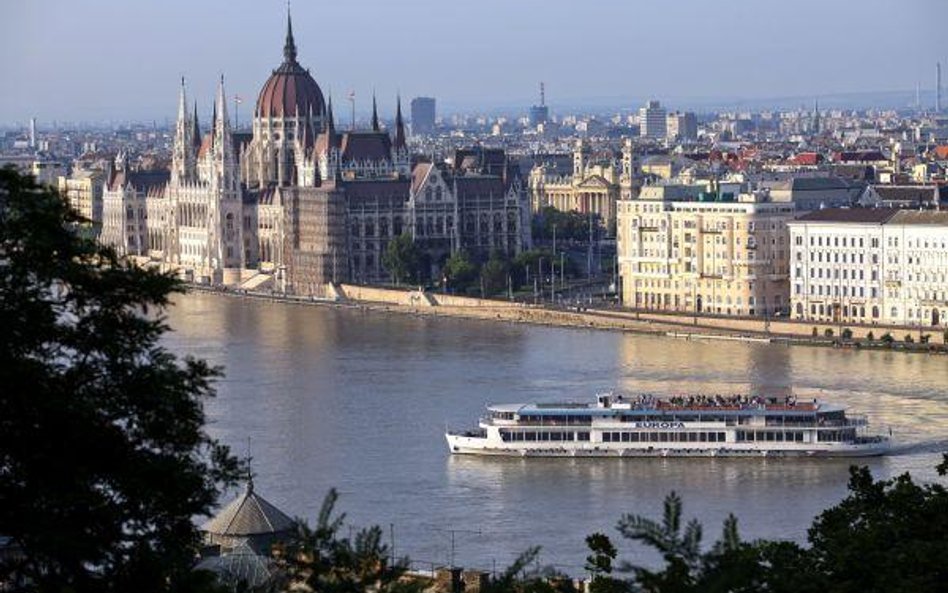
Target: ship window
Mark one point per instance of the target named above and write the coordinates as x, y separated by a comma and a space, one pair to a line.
692, 437
625, 437
530, 436
556, 436
664, 437
779, 436
634, 437
653, 437
712, 437
607, 437
582, 436
702, 436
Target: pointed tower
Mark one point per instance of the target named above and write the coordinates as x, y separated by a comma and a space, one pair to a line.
375, 115
289, 47
224, 158
399, 125
182, 156
227, 238
400, 157
195, 130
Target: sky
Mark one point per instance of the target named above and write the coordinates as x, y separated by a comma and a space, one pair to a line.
117, 60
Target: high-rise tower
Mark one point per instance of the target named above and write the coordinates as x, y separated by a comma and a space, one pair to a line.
937, 87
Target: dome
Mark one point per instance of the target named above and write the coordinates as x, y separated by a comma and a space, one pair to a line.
248, 514
290, 89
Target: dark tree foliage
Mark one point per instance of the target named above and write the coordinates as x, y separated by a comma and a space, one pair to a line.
570, 226
887, 536
104, 459
459, 271
320, 559
402, 259
599, 565
494, 274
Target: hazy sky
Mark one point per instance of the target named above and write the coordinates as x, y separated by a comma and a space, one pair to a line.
96, 60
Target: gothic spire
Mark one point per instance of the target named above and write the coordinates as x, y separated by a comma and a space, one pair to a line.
330, 121
289, 48
224, 142
196, 129
399, 125
182, 104
375, 115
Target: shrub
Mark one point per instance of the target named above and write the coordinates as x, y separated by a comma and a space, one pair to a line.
828, 332
847, 334
887, 338
870, 336
908, 339
816, 332
924, 338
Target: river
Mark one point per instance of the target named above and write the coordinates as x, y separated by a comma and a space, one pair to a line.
359, 401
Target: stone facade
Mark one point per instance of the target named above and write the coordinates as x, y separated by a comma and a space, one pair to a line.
873, 266
301, 204
593, 187
704, 254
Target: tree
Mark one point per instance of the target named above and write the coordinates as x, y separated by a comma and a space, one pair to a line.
319, 559
402, 259
494, 274
104, 457
459, 271
599, 565
886, 536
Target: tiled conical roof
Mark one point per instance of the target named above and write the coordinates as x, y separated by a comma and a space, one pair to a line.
248, 514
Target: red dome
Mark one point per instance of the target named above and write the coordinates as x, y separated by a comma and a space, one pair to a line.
290, 89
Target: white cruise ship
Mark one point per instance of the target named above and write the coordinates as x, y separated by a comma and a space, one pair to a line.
686, 426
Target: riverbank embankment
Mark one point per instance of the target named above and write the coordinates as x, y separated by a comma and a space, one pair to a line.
683, 326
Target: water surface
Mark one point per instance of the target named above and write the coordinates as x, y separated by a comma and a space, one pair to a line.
359, 401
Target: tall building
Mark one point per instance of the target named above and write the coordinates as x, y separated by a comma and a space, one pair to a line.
540, 114
708, 252
681, 126
422, 115
652, 122
937, 87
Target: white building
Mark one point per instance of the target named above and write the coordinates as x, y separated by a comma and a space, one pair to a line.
874, 266
652, 122
836, 265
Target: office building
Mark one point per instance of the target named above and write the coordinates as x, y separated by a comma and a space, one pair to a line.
422, 115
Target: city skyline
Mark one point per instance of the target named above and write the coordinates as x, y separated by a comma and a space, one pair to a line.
117, 69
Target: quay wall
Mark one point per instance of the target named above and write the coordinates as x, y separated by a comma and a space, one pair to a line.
679, 325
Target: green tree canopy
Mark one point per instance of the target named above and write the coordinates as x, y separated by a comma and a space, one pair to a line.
460, 271
402, 259
104, 458
494, 274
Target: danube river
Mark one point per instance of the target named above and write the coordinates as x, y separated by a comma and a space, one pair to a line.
359, 401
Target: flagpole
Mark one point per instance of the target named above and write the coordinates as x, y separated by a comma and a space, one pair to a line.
236, 117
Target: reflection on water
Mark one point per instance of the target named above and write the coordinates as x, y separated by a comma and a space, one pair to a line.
358, 401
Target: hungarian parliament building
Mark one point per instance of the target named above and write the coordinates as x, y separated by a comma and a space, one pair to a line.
295, 205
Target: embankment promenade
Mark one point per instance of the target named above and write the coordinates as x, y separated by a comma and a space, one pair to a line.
683, 326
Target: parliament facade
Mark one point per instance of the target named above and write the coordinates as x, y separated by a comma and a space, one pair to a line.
295, 204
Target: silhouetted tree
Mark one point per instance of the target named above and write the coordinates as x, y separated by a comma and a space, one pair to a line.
104, 458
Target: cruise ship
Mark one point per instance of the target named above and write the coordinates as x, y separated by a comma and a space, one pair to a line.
680, 426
